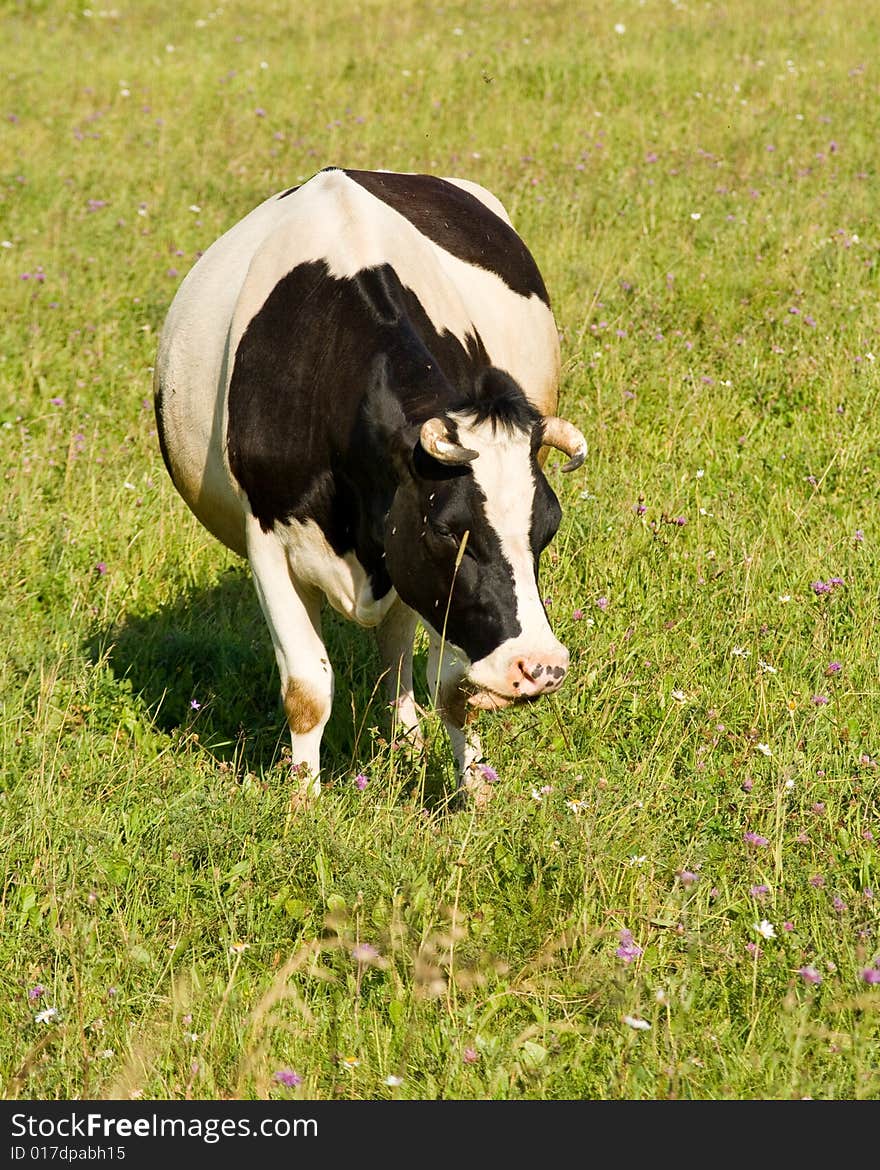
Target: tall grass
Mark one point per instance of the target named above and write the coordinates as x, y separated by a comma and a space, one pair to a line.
673, 893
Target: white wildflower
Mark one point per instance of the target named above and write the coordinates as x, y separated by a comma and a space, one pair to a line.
635, 1022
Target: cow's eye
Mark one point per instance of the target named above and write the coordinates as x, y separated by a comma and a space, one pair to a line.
446, 534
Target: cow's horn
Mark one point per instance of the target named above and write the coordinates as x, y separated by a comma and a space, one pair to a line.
436, 440
565, 436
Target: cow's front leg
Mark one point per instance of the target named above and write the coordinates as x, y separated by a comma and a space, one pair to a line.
293, 614
394, 637
446, 678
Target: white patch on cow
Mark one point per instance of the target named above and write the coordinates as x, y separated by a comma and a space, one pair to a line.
503, 472
342, 580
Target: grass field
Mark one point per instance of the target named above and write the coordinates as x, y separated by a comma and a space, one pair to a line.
675, 892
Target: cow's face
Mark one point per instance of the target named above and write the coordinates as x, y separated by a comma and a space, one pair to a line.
463, 541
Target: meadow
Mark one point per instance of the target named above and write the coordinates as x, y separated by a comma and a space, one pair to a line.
674, 893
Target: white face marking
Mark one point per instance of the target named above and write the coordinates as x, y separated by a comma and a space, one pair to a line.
503, 472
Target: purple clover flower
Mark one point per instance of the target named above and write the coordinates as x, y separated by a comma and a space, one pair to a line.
628, 950
364, 953
360, 782
809, 975
821, 587
288, 1078
751, 838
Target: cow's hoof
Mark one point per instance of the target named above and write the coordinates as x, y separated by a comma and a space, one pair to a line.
412, 742
478, 785
307, 787
302, 800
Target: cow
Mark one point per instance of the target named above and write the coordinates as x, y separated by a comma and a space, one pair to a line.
355, 389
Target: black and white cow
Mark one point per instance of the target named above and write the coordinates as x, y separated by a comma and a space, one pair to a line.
355, 388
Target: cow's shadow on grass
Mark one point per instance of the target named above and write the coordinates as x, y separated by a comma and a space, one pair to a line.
204, 665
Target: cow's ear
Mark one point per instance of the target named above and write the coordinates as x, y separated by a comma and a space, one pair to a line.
384, 429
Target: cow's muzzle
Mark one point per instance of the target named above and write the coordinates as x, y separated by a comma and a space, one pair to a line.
515, 677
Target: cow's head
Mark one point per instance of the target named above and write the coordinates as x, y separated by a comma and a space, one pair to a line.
471, 516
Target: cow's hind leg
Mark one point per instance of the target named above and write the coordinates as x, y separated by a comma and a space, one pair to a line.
394, 637
445, 678
293, 614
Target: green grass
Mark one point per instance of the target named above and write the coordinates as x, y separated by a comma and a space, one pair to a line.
700, 193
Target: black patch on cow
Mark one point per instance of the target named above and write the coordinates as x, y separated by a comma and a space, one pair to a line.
499, 399
300, 436
160, 430
331, 382
289, 191
546, 509
460, 223
469, 599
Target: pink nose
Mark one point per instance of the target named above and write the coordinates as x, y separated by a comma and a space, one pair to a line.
538, 674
